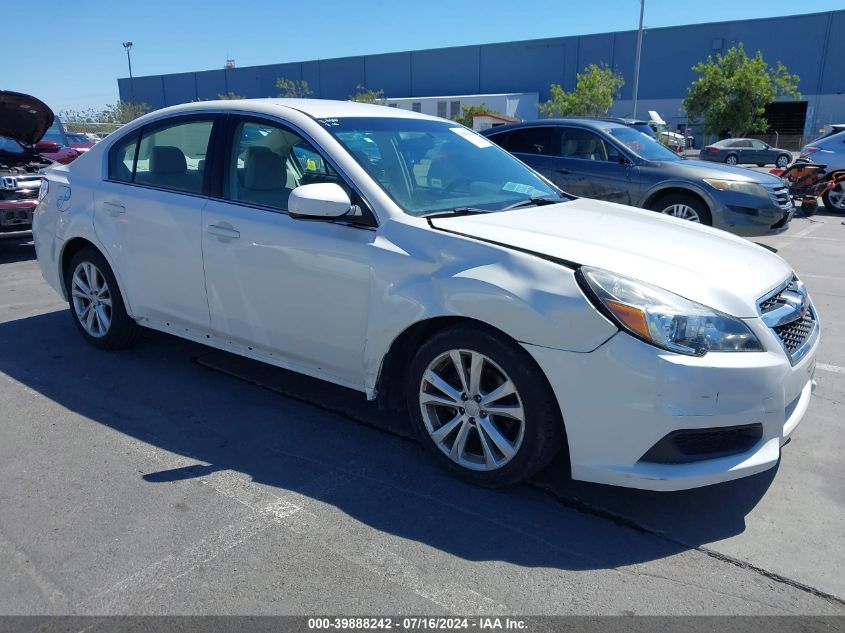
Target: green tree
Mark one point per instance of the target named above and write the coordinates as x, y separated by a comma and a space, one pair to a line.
106, 119
362, 95
230, 96
595, 89
293, 88
733, 90
469, 111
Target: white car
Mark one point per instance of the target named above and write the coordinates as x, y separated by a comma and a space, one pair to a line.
409, 258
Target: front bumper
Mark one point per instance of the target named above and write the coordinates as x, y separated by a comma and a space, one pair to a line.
620, 400
750, 216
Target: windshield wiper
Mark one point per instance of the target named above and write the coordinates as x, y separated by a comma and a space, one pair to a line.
456, 212
535, 201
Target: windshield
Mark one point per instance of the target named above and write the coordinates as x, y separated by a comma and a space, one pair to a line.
642, 145
434, 166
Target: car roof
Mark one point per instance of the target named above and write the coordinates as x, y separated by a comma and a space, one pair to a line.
595, 124
316, 108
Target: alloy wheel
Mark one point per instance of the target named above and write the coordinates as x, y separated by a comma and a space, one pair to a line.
837, 195
91, 298
782, 161
472, 410
730, 160
682, 211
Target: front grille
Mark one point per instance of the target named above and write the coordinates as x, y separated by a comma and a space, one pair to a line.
779, 195
790, 314
795, 334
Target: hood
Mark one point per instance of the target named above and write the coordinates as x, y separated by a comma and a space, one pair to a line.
703, 264
23, 118
699, 169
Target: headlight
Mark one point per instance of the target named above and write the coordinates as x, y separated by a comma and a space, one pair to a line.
737, 186
665, 319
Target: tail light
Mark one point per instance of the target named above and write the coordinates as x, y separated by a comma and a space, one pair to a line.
809, 151
44, 189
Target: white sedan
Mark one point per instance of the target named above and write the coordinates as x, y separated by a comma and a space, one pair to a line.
409, 258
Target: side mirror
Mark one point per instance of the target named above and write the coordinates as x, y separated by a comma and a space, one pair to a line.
319, 200
50, 147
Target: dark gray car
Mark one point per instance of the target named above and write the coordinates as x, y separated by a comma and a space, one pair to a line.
745, 151
609, 161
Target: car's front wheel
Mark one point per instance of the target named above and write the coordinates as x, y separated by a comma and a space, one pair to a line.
683, 206
482, 406
96, 304
834, 198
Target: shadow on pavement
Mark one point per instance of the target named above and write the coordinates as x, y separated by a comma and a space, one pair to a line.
158, 394
16, 250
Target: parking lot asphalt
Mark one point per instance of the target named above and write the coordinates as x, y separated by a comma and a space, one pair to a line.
175, 479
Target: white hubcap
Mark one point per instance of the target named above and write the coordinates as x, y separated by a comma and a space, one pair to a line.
472, 410
91, 299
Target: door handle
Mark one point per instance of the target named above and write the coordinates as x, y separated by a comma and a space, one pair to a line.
563, 170
114, 208
223, 231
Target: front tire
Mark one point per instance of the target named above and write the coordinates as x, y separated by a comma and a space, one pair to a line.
96, 304
483, 407
683, 206
834, 199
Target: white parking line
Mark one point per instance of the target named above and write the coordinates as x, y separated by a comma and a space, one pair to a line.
836, 369
296, 512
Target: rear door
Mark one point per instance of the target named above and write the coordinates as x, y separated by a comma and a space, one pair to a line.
148, 216
534, 146
590, 165
293, 289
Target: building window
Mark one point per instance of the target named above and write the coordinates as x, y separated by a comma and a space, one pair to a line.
441, 109
454, 109
416, 106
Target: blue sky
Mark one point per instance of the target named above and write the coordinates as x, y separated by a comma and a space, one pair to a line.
72, 57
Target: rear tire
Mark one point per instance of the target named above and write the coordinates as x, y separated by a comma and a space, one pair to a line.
783, 161
96, 304
731, 159
485, 440
684, 206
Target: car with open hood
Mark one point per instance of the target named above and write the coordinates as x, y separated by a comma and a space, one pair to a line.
23, 122
413, 260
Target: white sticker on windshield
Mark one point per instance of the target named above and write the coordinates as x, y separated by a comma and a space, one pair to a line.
472, 137
519, 188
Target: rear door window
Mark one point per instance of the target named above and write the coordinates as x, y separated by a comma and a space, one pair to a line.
172, 156
529, 140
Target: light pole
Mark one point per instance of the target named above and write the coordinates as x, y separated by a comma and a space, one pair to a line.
637, 58
128, 47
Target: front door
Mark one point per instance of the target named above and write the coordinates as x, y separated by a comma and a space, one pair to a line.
148, 216
294, 289
590, 166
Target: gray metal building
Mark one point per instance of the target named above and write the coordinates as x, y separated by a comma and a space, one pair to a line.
810, 45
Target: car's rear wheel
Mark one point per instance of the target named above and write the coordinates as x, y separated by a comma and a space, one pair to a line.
834, 199
782, 161
483, 408
96, 304
683, 206
731, 159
